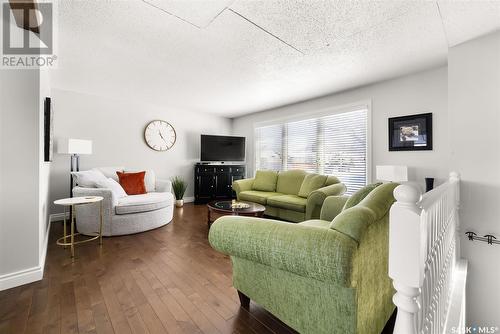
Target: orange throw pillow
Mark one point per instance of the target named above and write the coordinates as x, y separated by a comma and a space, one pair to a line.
132, 183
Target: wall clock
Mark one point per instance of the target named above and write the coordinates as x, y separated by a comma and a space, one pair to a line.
160, 135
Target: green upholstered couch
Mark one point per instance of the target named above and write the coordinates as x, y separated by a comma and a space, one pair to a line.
292, 195
327, 275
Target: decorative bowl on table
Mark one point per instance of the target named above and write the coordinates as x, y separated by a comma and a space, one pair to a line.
239, 205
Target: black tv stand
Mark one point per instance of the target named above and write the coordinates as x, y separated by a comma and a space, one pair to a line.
214, 181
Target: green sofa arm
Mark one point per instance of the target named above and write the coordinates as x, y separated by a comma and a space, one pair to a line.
318, 253
242, 185
316, 198
332, 206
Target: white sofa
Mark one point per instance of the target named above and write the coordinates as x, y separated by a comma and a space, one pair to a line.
127, 215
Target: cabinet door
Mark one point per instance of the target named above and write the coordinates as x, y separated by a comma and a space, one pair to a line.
206, 186
223, 186
238, 170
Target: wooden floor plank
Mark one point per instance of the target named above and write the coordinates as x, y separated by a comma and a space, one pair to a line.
116, 314
101, 319
69, 320
84, 311
161, 310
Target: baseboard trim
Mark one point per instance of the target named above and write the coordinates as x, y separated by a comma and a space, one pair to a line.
188, 199
43, 255
55, 217
21, 277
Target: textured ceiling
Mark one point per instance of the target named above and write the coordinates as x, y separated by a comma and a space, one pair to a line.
236, 57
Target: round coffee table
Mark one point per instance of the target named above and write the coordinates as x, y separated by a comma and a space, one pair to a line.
224, 208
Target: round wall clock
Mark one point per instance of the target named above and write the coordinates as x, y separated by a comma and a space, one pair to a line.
160, 135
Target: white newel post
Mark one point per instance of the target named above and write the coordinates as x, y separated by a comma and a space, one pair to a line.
406, 257
424, 259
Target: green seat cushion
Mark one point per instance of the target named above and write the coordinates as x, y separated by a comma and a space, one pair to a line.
265, 180
289, 182
316, 223
311, 182
289, 202
359, 195
257, 196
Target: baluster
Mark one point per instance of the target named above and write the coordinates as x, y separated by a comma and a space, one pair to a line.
455, 180
406, 258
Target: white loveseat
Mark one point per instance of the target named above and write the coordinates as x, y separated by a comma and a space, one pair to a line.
126, 215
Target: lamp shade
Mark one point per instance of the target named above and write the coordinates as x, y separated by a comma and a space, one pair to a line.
392, 173
74, 146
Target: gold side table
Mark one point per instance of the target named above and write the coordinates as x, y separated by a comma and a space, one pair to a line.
73, 202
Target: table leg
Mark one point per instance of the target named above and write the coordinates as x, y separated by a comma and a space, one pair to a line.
100, 224
64, 226
73, 231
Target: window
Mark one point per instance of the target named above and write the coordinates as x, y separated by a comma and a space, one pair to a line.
335, 144
269, 147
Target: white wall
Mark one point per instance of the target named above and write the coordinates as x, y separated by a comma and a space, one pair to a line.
116, 128
474, 103
23, 177
19, 178
413, 94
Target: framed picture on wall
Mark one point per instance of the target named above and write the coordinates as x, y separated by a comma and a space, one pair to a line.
410, 133
48, 130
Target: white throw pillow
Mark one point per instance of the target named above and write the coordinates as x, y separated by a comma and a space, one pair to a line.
87, 178
114, 186
109, 171
149, 179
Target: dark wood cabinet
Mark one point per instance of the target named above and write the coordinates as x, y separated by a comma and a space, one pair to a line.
213, 182
205, 187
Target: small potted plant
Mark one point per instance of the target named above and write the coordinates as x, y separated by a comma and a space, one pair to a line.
179, 186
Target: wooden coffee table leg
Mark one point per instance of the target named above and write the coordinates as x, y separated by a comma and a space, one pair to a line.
208, 218
244, 300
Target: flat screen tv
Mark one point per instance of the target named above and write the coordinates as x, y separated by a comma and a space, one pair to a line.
222, 148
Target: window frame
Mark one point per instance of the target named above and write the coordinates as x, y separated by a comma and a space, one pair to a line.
363, 104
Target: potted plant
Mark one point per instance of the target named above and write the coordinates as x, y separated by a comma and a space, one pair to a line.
179, 186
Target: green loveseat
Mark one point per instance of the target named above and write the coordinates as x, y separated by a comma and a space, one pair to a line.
327, 275
292, 195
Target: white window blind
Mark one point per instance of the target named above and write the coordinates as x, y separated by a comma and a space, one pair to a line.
269, 147
302, 145
333, 145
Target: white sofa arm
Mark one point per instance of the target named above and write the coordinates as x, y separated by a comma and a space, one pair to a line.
109, 199
163, 186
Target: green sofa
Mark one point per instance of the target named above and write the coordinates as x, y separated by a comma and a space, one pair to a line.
327, 275
292, 195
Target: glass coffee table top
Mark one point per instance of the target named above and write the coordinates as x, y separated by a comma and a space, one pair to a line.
226, 206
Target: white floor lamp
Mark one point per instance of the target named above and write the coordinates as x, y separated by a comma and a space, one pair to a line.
74, 147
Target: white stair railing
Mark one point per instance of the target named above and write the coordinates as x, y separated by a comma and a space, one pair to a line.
424, 259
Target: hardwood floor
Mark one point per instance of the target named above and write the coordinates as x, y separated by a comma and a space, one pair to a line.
168, 280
